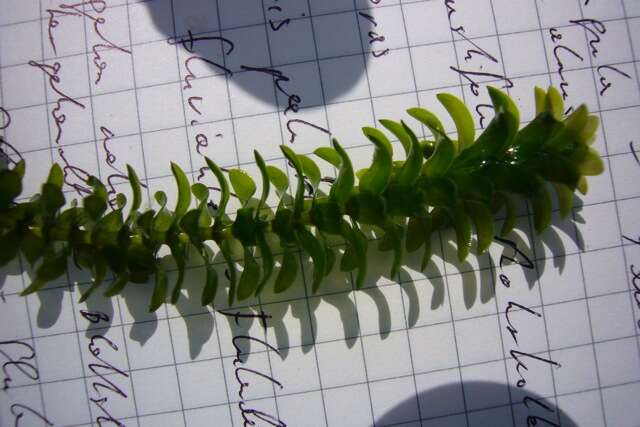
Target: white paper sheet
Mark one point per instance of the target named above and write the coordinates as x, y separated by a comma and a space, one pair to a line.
439, 348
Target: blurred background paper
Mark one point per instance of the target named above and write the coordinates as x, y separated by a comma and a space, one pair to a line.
551, 339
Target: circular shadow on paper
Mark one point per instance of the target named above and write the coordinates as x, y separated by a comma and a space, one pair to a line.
271, 51
488, 404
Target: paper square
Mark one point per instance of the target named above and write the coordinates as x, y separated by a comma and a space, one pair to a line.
263, 129
342, 406
433, 66
202, 417
296, 370
418, 30
197, 16
302, 409
10, 53
162, 147
433, 347
56, 400
380, 310
394, 401
604, 271
611, 316
340, 364
234, 15
567, 324
618, 361
397, 62
578, 370
386, 357
160, 107
477, 396
440, 393
22, 86
344, 79
582, 409
563, 284
478, 340
150, 21
508, 22
17, 11
155, 64
337, 35
293, 43
599, 220
201, 384
117, 112
251, 93
155, 351
517, 64
619, 402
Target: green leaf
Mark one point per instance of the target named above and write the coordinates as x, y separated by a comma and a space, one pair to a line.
288, 271
440, 192
297, 165
377, 177
178, 251
427, 228
278, 178
161, 198
267, 262
415, 237
265, 181
224, 187
250, 276
440, 161
231, 269
32, 246
117, 286
211, 283
244, 228
591, 163
10, 187
200, 191
330, 259
541, 99
367, 208
54, 265
565, 199
326, 215
242, 184
483, 221
542, 210
310, 170
316, 251
52, 200
393, 233
504, 105
341, 188
159, 290
329, 155
162, 221
462, 226
134, 182
100, 271
554, 103
358, 242
461, 117
399, 130
349, 260
56, 176
430, 120
410, 170
20, 168
184, 190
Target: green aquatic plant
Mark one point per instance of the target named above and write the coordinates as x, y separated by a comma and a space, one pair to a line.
442, 182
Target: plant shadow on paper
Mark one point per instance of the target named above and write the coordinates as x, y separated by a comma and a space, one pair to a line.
359, 313
281, 37
444, 406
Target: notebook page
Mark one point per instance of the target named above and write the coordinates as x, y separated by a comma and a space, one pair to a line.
541, 329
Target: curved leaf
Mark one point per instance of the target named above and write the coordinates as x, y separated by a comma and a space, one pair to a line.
310, 170
410, 170
250, 276
159, 290
288, 271
134, 182
462, 226
341, 188
329, 155
265, 181
242, 184
312, 246
184, 191
483, 221
278, 178
224, 187
461, 117
267, 262
297, 165
211, 283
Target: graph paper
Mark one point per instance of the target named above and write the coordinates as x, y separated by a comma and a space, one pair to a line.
479, 343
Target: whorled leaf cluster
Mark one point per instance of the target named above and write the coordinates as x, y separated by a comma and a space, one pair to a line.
462, 183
